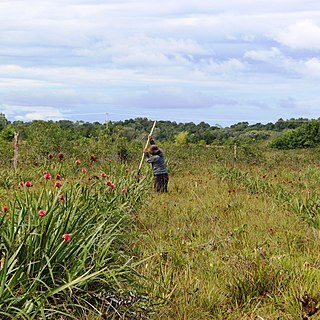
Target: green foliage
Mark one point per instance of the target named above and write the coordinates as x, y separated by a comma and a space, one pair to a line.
306, 136
181, 138
255, 277
7, 133
138, 129
3, 121
240, 126
6, 152
68, 257
45, 137
308, 206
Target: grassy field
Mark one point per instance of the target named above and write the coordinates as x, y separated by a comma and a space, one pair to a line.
81, 238
234, 240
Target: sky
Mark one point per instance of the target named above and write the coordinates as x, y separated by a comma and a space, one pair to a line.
221, 62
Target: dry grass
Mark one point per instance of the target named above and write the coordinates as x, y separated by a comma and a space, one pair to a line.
218, 251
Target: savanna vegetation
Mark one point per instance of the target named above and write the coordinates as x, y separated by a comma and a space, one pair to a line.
282, 131
236, 237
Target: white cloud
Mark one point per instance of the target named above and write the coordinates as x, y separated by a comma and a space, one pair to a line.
263, 55
27, 113
143, 51
306, 69
301, 35
229, 67
312, 67
303, 67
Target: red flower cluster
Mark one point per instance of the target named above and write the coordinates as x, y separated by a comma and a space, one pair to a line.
28, 184
41, 213
66, 237
47, 175
58, 184
103, 174
61, 197
110, 184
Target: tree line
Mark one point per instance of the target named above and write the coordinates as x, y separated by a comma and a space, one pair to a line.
283, 134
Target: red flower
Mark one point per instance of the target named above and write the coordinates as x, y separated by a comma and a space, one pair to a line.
109, 183
5, 209
47, 176
58, 184
93, 158
77, 162
84, 170
103, 175
28, 184
124, 190
61, 197
21, 183
41, 213
66, 237
112, 186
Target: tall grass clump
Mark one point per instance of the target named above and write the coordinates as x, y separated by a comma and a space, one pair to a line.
63, 239
307, 205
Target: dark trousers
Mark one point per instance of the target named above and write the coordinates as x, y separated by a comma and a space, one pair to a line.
161, 182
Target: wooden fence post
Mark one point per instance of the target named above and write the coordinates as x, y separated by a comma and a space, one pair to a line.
234, 154
15, 150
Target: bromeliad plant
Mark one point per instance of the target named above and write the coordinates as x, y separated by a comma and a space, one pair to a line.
61, 243
289, 178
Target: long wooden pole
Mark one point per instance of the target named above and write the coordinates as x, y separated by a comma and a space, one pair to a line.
146, 146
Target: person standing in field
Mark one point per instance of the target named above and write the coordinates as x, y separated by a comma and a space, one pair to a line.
155, 156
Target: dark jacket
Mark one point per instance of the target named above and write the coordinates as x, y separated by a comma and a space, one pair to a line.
157, 161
